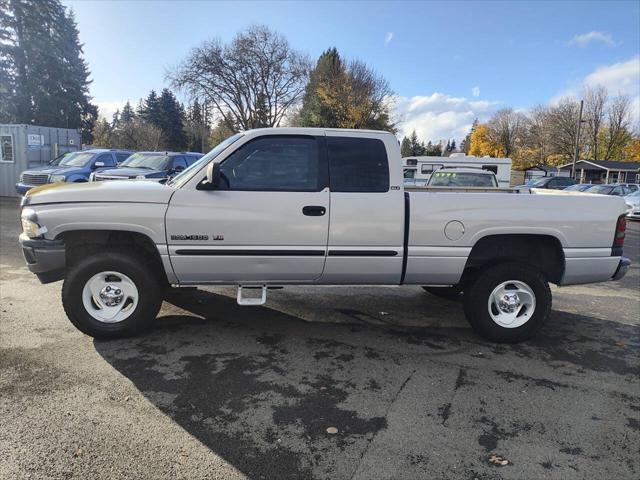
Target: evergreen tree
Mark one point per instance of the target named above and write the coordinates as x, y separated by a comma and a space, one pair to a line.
197, 127
102, 133
324, 104
171, 122
115, 120
433, 150
411, 146
345, 96
453, 145
149, 109
127, 114
45, 80
466, 143
405, 147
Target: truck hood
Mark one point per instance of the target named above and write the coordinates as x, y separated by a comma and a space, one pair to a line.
133, 172
121, 191
55, 170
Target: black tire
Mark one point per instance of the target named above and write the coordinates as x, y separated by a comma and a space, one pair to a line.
136, 267
477, 295
450, 293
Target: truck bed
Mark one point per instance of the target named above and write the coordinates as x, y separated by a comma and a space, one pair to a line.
466, 189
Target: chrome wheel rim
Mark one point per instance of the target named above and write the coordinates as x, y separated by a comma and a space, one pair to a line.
110, 297
512, 304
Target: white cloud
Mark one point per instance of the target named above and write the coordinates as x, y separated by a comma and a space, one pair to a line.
388, 37
475, 91
440, 116
621, 78
107, 108
584, 39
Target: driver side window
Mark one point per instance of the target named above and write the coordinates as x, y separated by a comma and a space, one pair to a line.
105, 158
275, 163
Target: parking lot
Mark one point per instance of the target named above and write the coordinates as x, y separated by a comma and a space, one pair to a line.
222, 391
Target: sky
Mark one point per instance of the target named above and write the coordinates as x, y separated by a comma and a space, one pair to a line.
447, 62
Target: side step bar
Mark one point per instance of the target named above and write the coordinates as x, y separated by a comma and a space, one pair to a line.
244, 301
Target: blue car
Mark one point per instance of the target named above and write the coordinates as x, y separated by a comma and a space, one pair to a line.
149, 166
74, 167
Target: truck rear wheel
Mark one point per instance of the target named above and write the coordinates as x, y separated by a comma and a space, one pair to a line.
111, 294
508, 303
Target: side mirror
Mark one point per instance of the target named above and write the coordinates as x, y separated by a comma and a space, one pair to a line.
212, 181
178, 168
98, 165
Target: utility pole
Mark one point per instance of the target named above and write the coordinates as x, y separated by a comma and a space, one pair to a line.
577, 151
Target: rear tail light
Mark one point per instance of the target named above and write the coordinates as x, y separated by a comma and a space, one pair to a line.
618, 239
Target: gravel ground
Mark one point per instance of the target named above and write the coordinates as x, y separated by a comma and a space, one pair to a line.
218, 391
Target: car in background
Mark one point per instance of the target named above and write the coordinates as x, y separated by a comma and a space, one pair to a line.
616, 189
578, 187
551, 183
72, 168
463, 177
155, 166
633, 205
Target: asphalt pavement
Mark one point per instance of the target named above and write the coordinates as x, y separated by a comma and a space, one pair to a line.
339, 383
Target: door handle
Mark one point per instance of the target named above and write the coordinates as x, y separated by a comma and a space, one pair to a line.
314, 210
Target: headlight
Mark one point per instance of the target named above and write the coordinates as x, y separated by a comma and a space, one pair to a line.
141, 177
30, 226
57, 178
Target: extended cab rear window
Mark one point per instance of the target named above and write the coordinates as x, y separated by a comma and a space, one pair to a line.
358, 165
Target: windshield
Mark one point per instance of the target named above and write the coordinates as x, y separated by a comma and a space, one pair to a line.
459, 179
186, 174
153, 161
634, 194
77, 159
58, 159
601, 189
538, 183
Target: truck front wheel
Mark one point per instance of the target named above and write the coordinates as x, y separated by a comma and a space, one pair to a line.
111, 294
508, 303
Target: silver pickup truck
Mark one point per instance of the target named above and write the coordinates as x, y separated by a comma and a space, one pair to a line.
294, 206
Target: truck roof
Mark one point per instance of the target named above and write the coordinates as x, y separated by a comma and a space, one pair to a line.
313, 130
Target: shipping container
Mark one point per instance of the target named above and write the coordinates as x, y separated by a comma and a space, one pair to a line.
28, 146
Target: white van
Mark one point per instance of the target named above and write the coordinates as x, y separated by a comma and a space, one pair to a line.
418, 170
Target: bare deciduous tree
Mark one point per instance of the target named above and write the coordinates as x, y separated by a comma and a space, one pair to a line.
595, 100
617, 133
538, 133
563, 124
139, 135
507, 129
251, 82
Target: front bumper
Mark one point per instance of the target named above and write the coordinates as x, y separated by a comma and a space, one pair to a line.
634, 213
621, 271
45, 258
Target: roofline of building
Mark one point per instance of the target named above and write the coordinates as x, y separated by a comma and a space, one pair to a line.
634, 169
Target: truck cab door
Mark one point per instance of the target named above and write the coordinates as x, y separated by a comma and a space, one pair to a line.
266, 223
367, 215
